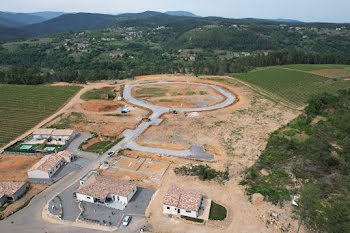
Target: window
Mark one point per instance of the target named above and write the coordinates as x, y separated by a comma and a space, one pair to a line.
50, 172
188, 211
88, 197
168, 208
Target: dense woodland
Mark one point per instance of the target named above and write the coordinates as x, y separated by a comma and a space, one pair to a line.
311, 157
117, 47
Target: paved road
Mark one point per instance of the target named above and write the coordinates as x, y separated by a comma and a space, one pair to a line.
194, 152
74, 146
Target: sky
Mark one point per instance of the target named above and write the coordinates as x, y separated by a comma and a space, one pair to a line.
305, 10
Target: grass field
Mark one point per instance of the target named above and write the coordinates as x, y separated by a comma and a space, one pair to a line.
97, 94
217, 212
22, 107
294, 86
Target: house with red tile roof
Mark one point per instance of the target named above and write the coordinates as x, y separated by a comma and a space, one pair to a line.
106, 191
11, 191
182, 201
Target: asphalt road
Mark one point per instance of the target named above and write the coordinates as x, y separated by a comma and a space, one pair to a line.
194, 152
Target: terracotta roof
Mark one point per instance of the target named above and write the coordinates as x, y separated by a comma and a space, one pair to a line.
186, 199
47, 162
10, 188
100, 186
62, 132
65, 153
43, 131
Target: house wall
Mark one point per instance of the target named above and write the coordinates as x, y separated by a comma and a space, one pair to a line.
19, 192
174, 210
192, 214
37, 174
132, 194
3, 200
83, 197
41, 136
121, 199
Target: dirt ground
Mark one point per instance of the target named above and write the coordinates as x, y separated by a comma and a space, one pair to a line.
332, 73
33, 190
13, 167
179, 95
235, 135
100, 105
102, 117
242, 216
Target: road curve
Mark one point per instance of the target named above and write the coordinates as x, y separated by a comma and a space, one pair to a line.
193, 152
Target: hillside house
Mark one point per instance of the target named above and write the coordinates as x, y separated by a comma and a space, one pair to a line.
48, 166
106, 191
182, 201
11, 191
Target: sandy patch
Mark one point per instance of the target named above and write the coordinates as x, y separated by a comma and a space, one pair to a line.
13, 167
100, 105
178, 95
331, 73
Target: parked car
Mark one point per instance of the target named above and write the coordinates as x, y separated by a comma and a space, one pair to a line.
110, 154
126, 220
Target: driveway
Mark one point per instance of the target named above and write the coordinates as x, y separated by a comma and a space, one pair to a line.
74, 146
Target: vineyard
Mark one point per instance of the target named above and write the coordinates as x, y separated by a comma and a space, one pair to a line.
292, 85
22, 107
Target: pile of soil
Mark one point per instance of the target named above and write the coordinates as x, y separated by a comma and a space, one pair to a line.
100, 105
107, 88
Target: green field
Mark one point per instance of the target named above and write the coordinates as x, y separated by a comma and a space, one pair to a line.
294, 86
22, 107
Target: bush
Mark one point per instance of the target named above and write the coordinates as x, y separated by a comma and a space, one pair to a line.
217, 212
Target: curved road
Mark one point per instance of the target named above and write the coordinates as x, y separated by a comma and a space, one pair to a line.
194, 152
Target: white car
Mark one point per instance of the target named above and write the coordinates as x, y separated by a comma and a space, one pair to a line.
110, 154
126, 220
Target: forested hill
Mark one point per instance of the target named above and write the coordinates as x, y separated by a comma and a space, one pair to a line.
71, 22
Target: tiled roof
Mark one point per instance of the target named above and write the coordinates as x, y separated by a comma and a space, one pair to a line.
47, 162
65, 153
186, 199
100, 186
43, 131
10, 188
62, 132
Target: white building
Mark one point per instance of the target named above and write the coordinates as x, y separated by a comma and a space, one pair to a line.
63, 135
106, 191
182, 201
42, 133
46, 167
11, 191
55, 136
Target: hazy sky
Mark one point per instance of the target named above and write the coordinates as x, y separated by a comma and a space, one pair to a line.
306, 10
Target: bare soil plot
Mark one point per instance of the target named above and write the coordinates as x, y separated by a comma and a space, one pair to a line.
331, 73
179, 95
153, 167
13, 167
129, 163
101, 105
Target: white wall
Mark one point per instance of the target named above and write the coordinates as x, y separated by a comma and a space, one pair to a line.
82, 197
38, 174
174, 210
171, 210
132, 194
